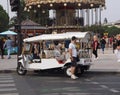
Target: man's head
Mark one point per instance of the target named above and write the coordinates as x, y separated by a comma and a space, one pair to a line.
8, 37
73, 38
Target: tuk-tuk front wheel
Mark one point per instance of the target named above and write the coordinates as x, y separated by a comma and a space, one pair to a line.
21, 70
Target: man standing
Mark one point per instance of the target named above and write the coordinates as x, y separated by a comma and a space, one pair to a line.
73, 56
8, 44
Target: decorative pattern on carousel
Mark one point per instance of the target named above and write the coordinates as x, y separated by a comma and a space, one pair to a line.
79, 2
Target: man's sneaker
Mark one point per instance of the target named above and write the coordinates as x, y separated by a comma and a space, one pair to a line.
73, 77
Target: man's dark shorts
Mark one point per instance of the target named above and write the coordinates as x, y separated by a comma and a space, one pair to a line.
74, 62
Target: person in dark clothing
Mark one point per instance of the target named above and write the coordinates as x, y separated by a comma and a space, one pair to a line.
114, 43
118, 42
102, 43
1, 48
36, 51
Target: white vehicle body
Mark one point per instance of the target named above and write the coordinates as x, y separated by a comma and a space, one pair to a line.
50, 62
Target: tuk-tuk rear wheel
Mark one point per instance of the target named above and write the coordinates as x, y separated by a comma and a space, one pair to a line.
79, 71
21, 70
67, 71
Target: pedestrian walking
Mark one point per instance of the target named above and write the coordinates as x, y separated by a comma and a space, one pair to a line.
102, 43
111, 41
8, 45
117, 51
1, 48
114, 45
95, 46
73, 56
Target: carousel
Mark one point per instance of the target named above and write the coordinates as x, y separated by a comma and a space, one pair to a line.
68, 15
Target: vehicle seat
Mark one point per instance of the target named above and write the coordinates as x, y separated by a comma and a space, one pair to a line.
36, 60
60, 61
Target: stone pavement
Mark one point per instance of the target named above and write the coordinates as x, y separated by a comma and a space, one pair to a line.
107, 62
8, 64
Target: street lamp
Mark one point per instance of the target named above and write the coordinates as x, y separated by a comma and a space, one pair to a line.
91, 16
16, 7
96, 16
65, 4
91, 5
100, 8
8, 7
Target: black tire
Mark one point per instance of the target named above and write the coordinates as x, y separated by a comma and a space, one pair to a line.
21, 70
79, 71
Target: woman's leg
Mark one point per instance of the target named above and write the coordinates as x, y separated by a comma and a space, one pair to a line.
96, 55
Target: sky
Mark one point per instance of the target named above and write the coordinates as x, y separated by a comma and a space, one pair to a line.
111, 12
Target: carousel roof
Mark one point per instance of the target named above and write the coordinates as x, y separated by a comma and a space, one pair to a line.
54, 4
29, 22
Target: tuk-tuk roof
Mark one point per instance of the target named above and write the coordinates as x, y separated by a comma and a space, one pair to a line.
60, 36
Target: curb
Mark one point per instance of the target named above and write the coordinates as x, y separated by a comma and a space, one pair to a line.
103, 71
89, 71
7, 71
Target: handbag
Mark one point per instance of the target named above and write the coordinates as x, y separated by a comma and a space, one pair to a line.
77, 58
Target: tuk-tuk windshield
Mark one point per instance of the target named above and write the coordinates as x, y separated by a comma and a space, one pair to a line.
26, 48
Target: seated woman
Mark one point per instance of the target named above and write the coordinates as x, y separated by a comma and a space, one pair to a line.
35, 51
58, 55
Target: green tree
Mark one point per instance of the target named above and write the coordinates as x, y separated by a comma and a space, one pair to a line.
37, 15
112, 30
23, 14
4, 19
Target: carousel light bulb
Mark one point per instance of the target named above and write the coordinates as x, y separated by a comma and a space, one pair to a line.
30, 7
38, 6
28, 10
91, 5
51, 5
35, 11
25, 9
43, 11
65, 4
79, 4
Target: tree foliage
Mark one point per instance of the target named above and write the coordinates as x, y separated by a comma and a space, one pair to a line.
112, 30
38, 16
4, 19
103, 29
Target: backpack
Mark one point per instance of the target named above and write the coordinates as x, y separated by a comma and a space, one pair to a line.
98, 45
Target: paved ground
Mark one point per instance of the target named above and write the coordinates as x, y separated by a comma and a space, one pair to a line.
8, 64
107, 62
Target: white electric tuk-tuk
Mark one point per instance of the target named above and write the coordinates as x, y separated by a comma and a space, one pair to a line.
47, 59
